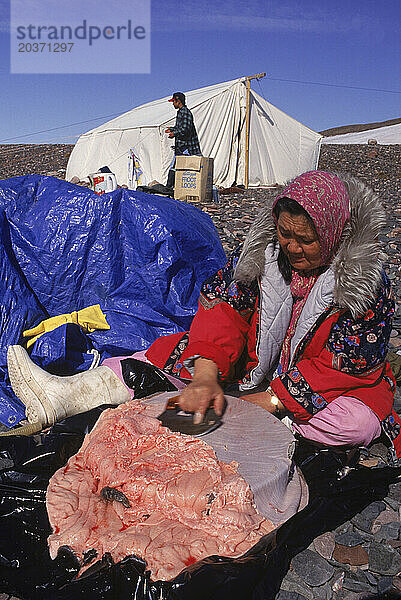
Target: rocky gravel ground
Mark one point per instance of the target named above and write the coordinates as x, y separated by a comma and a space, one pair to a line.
361, 559
33, 159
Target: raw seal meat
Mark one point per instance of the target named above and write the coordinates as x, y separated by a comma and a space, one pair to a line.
135, 487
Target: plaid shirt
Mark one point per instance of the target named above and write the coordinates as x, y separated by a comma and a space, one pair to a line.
185, 134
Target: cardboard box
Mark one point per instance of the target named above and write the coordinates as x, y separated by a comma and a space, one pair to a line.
193, 178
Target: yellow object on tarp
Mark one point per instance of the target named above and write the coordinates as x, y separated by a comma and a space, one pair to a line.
89, 319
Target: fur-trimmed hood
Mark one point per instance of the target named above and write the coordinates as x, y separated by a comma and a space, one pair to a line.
358, 264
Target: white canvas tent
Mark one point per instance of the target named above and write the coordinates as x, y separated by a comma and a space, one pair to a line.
383, 135
279, 147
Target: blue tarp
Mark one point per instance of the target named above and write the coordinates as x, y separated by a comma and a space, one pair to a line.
141, 257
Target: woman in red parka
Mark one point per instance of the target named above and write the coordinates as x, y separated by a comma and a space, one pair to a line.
302, 312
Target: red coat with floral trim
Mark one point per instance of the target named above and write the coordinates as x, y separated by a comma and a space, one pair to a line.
340, 355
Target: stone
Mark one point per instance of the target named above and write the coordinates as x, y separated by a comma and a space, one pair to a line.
350, 538
369, 462
362, 524
323, 592
387, 516
384, 560
324, 544
337, 581
393, 504
338, 565
365, 576
378, 449
397, 584
293, 583
367, 537
74, 179
347, 595
388, 531
356, 586
395, 492
358, 582
397, 399
373, 510
370, 578
343, 528
352, 555
364, 520
312, 568
384, 585
284, 595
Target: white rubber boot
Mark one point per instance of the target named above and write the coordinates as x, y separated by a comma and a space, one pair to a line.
49, 398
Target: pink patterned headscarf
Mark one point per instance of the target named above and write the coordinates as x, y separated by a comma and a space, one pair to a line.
325, 198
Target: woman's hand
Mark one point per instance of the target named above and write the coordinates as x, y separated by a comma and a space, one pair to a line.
264, 400
203, 391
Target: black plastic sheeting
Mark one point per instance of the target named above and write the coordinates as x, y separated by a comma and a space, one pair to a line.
144, 379
27, 571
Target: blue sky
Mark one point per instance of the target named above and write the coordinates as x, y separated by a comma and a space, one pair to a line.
353, 43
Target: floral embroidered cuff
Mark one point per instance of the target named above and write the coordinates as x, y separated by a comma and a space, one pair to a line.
297, 395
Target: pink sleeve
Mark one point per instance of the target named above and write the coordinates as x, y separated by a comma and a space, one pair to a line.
345, 421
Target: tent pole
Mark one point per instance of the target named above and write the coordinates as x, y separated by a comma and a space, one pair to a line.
248, 87
247, 122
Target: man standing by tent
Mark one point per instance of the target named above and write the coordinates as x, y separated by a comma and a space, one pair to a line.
184, 132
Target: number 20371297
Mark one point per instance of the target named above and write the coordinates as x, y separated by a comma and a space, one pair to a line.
45, 46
